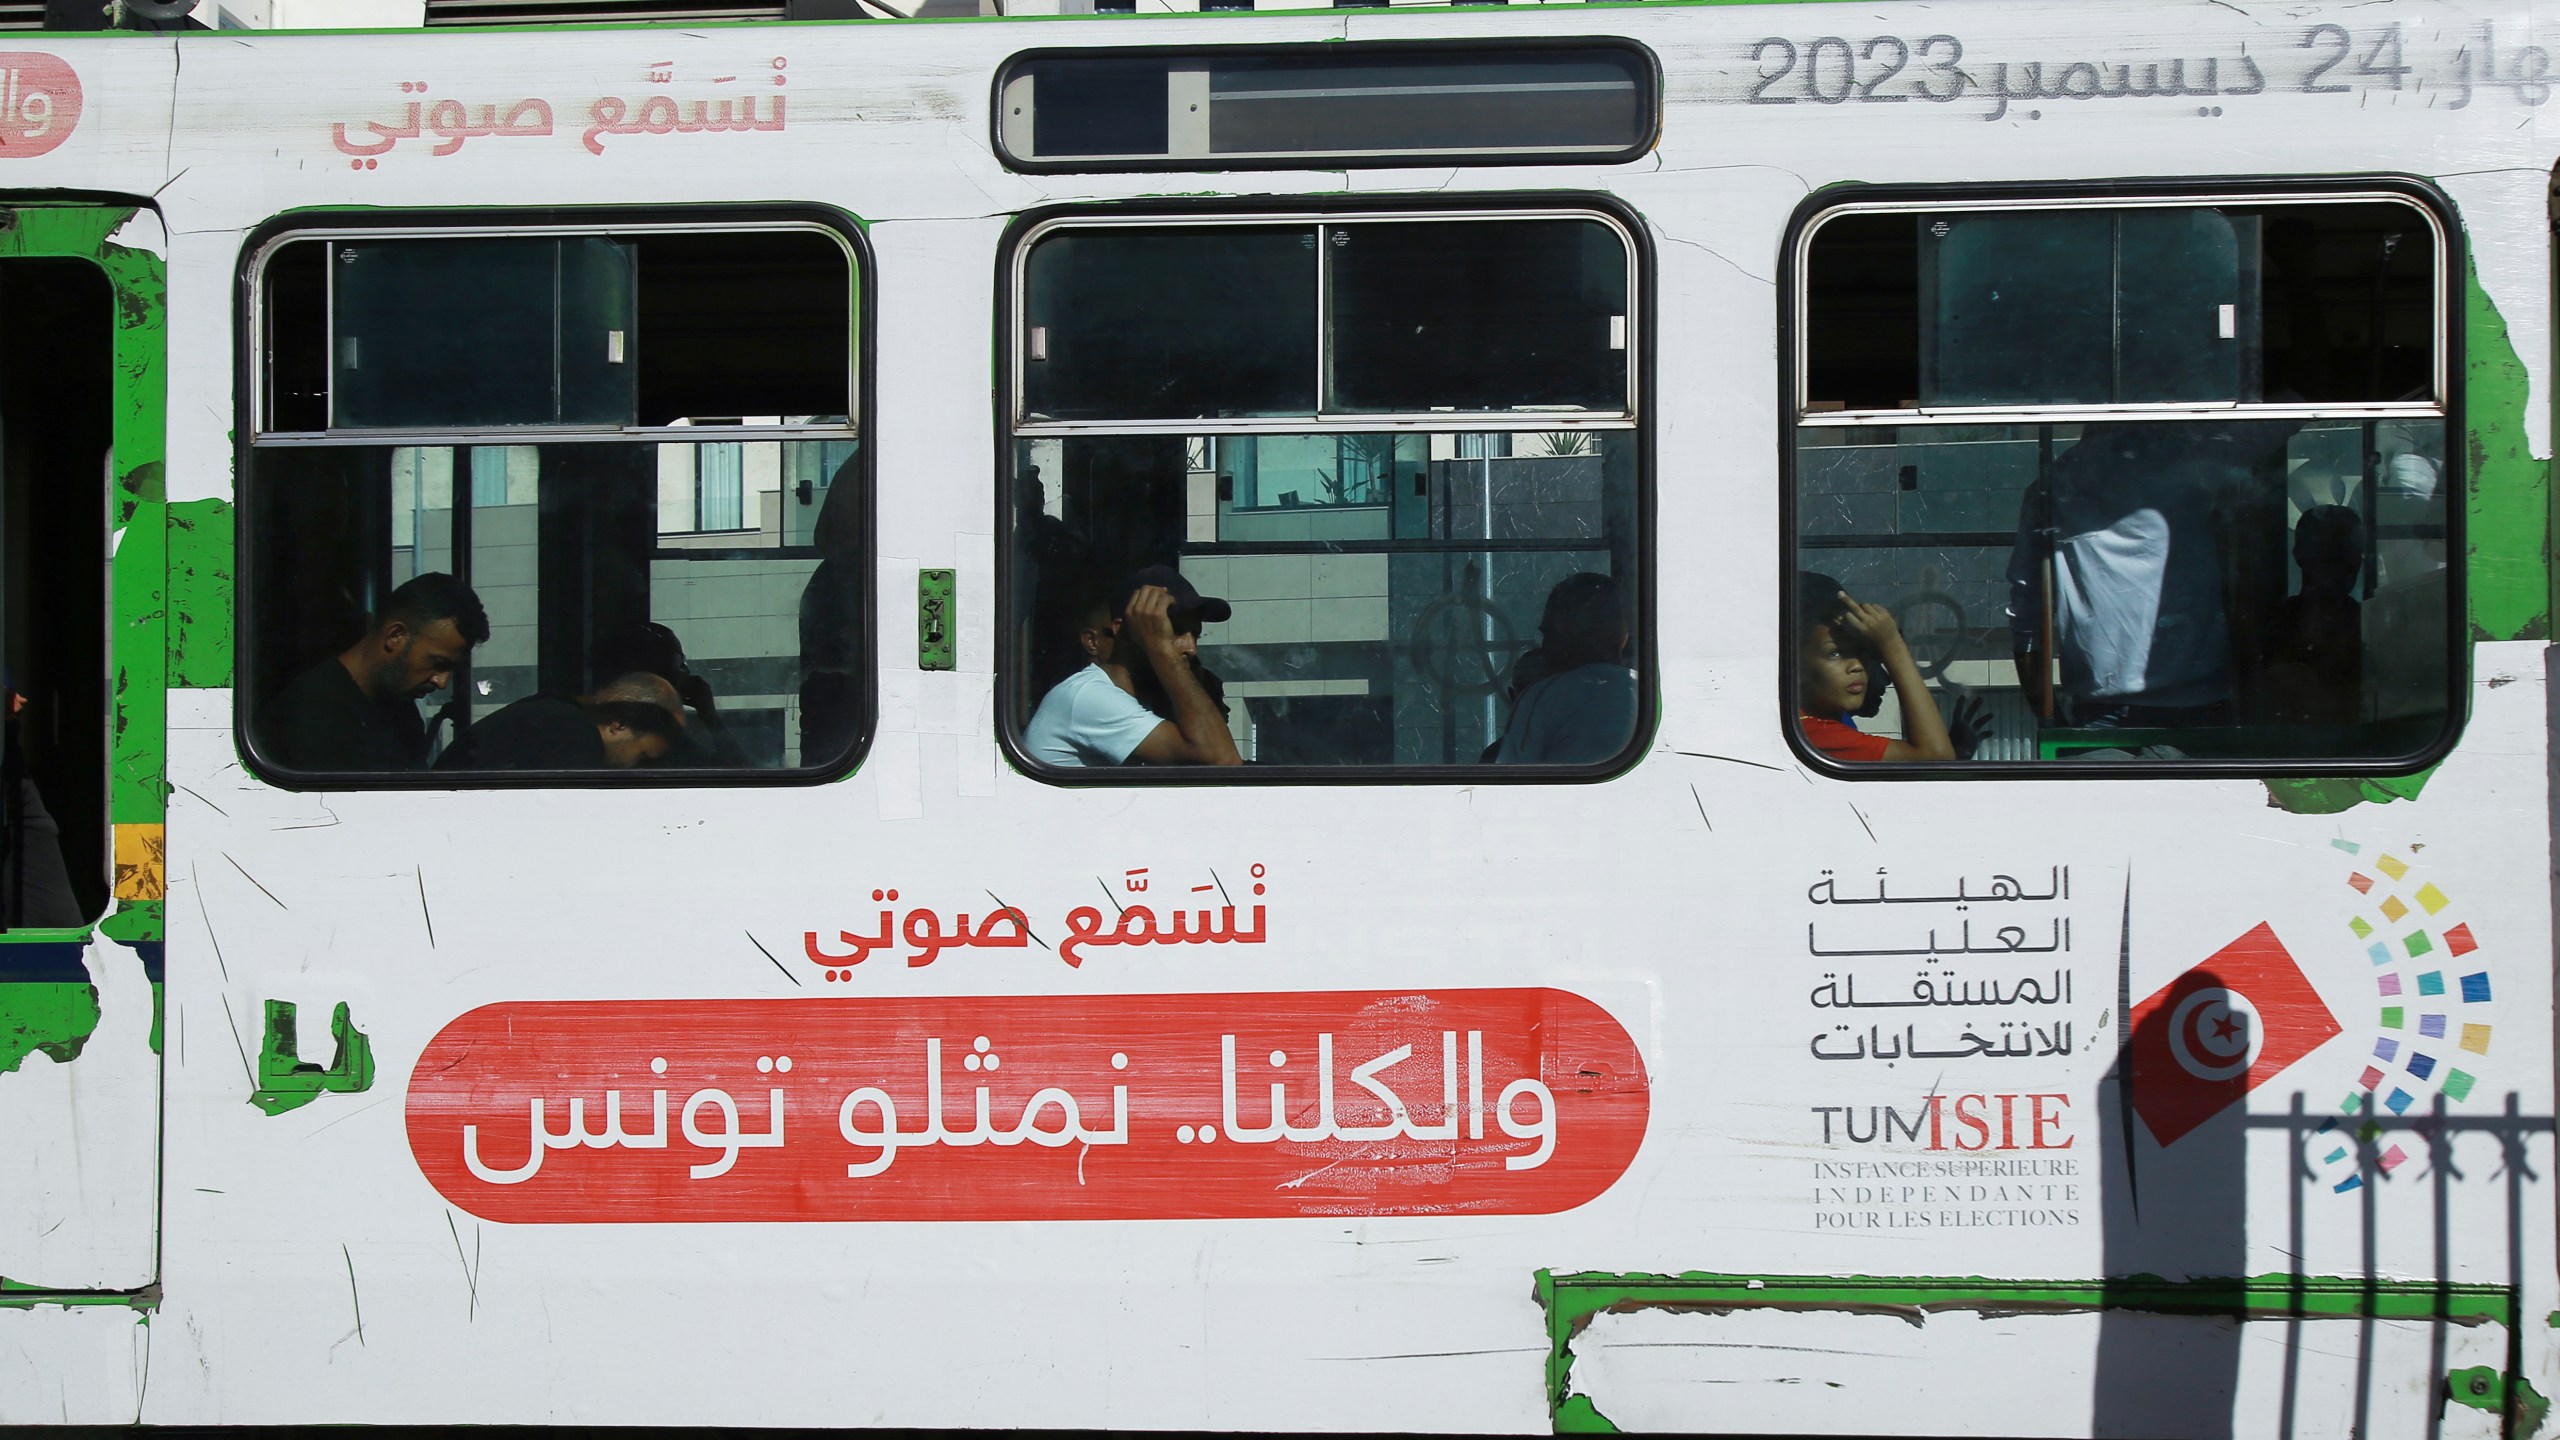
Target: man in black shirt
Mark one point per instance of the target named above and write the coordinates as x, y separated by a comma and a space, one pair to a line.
354, 711
633, 720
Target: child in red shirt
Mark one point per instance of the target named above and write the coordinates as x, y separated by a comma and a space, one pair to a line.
1844, 643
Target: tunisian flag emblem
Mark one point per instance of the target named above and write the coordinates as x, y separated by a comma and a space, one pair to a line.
2220, 1031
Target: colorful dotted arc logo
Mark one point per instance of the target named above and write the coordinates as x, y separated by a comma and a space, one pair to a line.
2433, 1002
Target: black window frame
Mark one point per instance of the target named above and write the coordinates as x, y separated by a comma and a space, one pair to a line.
2450, 365
248, 394
1650, 63
1315, 210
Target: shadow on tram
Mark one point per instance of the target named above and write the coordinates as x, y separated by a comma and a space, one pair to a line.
2183, 1303
2174, 1217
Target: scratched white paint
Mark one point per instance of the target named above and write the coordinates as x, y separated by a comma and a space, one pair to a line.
75, 1365
278, 1233
2023, 1375
78, 1192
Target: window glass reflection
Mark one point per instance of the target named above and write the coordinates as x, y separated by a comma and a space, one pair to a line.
2292, 304
1415, 323
1347, 102
2230, 588
2123, 580
618, 529
718, 583
1398, 317
1163, 324
1342, 599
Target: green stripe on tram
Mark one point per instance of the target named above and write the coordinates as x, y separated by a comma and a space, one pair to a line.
691, 26
2510, 499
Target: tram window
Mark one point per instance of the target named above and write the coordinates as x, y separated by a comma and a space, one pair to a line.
2133, 482
1171, 323
1985, 308
1106, 108
662, 533
1422, 596
1354, 104
1411, 317
489, 332
1411, 329
406, 332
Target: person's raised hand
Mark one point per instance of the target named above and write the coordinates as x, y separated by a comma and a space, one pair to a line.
1149, 618
1873, 624
695, 691
1968, 723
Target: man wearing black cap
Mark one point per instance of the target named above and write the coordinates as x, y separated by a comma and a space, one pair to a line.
1099, 715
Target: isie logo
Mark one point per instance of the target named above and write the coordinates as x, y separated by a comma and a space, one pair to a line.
39, 103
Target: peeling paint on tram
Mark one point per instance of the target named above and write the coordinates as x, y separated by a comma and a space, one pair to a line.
288, 1082
47, 1004
2509, 490
200, 566
2509, 495
2486, 1315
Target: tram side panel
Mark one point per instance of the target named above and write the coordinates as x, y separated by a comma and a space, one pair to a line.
1670, 933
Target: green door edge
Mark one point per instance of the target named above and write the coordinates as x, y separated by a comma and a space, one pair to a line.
137, 794
58, 1016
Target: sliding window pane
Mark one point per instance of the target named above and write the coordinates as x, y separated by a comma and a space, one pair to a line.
2139, 305
1341, 103
587, 331
1090, 106
1177, 323
2017, 310
477, 332
1596, 100
1476, 315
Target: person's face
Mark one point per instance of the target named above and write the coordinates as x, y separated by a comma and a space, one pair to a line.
1099, 631
418, 663
625, 748
1186, 643
1835, 679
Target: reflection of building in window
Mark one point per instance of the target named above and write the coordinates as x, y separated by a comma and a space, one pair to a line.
2075, 449
682, 502
720, 487
736, 612
1318, 454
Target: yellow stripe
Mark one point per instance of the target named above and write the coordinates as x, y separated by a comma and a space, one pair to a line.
141, 862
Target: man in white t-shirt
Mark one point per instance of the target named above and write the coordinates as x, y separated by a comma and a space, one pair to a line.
2118, 561
1096, 716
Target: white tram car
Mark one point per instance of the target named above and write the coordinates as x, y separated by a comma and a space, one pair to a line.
1500, 402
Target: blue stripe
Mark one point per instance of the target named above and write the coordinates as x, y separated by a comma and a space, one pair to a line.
43, 962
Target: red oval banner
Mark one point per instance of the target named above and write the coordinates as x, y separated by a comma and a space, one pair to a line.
1109, 1107
39, 103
